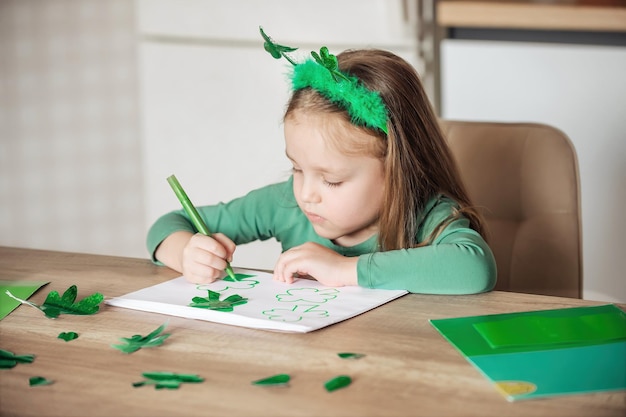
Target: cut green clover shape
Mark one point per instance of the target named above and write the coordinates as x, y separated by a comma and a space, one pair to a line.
136, 342
55, 305
213, 302
168, 380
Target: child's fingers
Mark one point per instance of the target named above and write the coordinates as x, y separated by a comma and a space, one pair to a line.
228, 245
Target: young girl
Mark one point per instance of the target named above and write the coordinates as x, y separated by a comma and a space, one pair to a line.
375, 198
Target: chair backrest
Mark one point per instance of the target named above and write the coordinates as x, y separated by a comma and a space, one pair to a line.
524, 179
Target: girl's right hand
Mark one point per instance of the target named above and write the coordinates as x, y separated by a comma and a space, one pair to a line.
204, 257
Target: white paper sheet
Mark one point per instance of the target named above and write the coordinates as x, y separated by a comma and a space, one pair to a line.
303, 306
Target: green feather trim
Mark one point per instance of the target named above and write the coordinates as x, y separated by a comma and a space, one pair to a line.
366, 107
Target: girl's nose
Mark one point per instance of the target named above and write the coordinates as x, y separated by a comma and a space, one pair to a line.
309, 192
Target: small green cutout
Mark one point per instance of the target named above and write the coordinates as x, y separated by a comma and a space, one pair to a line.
136, 342
168, 380
36, 381
349, 355
67, 336
213, 302
55, 305
337, 382
9, 359
275, 380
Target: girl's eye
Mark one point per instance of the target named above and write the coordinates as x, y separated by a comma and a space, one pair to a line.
296, 170
332, 184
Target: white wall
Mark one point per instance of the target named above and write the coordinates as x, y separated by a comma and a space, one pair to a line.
70, 163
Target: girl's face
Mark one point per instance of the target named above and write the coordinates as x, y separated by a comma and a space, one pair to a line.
340, 193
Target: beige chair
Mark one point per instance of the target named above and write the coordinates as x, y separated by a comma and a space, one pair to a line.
524, 178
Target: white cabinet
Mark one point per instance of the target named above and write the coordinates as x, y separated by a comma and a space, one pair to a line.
579, 89
212, 99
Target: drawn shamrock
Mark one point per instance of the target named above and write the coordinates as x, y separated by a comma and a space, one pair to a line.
136, 342
296, 313
9, 359
308, 295
329, 61
277, 51
169, 380
240, 283
213, 302
54, 305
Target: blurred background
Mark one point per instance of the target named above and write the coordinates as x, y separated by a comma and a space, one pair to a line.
101, 100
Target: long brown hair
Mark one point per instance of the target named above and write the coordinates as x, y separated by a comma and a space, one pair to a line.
417, 161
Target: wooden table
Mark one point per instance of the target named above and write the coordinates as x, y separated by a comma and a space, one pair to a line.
409, 370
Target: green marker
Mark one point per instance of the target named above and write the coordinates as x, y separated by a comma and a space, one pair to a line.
193, 213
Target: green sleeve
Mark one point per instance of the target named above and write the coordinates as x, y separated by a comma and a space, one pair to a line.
244, 219
459, 261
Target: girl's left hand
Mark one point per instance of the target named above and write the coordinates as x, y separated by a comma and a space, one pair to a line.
318, 262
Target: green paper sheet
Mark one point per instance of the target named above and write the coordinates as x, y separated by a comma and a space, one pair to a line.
21, 289
544, 353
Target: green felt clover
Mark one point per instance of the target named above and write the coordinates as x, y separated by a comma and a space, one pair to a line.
213, 302
54, 305
36, 381
9, 359
67, 336
168, 380
136, 342
277, 51
275, 380
337, 382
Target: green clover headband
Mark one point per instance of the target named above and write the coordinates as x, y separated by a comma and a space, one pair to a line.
366, 107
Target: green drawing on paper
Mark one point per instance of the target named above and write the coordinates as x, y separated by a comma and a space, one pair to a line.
337, 382
67, 336
54, 305
350, 355
308, 295
9, 359
296, 313
36, 381
136, 342
241, 282
169, 380
281, 380
213, 302
239, 277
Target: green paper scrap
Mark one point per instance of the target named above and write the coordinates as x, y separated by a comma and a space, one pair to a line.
21, 289
136, 342
54, 305
9, 359
535, 354
213, 302
337, 382
349, 355
36, 381
67, 336
525, 330
275, 380
169, 380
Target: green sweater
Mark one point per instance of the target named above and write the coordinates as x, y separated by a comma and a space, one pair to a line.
457, 262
